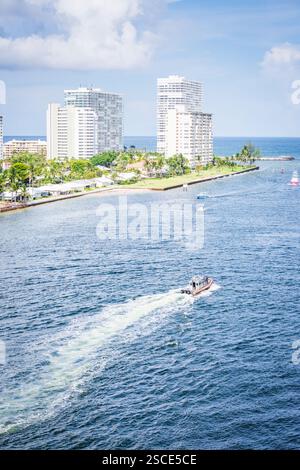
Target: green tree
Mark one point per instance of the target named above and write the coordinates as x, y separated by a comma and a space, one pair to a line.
104, 159
3, 181
123, 160
158, 163
178, 165
56, 171
36, 164
225, 161
18, 177
248, 154
82, 169
154, 162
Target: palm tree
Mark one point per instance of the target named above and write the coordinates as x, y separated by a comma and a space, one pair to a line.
249, 153
158, 163
36, 164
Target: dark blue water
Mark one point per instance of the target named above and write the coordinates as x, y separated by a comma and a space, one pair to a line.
226, 146
269, 146
103, 353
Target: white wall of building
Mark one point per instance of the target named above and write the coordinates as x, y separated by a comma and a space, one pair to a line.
109, 109
72, 132
175, 91
189, 134
182, 127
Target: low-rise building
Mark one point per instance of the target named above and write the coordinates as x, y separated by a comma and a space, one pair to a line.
19, 146
69, 187
104, 181
126, 177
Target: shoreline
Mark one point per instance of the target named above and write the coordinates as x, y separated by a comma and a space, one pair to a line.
204, 180
114, 189
50, 199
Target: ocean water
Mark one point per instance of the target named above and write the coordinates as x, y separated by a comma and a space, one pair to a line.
103, 352
269, 146
226, 146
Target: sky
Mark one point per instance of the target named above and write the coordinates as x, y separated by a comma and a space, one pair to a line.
246, 53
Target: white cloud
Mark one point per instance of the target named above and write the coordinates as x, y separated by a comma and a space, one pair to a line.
91, 34
284, 55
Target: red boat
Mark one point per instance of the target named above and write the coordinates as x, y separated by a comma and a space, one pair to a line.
295, 179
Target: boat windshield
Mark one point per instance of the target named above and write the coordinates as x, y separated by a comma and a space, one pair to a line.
199, 281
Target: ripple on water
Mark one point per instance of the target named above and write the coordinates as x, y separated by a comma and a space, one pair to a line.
89, 369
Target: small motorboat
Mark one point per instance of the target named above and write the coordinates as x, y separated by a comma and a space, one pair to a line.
202, 196
197, 285
295, 179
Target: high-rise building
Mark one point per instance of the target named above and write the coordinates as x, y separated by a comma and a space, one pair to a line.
189, 134
1, 137
18, 146
72, 132
181, 125
171, 92
109, 110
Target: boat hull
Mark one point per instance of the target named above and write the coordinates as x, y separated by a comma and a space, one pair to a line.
203, 289
197, 292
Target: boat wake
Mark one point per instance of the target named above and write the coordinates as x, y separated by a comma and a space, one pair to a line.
240, 193
59, 366
207, 293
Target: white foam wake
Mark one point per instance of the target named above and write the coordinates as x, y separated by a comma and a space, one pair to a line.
210, 291
72, 356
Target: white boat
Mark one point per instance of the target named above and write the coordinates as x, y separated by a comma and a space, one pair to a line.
197, 285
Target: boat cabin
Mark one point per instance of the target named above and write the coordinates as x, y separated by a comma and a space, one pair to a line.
199, 281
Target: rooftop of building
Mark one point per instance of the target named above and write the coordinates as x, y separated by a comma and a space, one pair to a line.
177, 78
25, 141
90, 90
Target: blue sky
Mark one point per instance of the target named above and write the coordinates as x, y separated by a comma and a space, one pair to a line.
247, 54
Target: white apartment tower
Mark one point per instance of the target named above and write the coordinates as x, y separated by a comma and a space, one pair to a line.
1, 137
189, 134
109, 110
181, 125
72, 132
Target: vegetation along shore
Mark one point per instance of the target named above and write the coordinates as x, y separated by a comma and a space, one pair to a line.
29, 179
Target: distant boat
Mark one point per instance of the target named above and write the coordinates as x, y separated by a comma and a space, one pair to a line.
202, 196
295, 179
